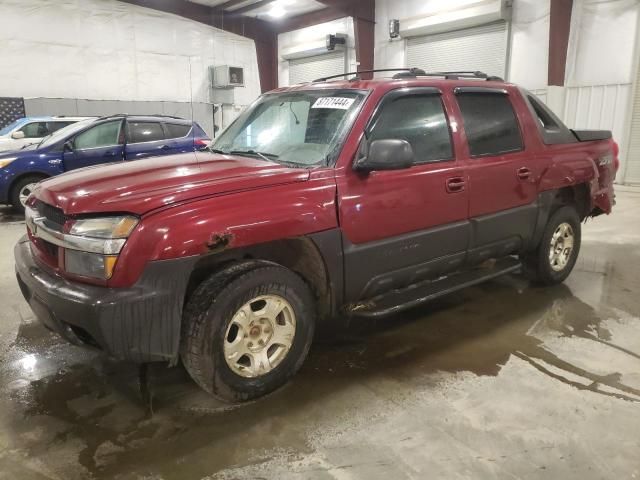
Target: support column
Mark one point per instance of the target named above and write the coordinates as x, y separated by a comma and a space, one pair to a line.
559, 29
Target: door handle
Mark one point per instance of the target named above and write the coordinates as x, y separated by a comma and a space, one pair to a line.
109, 154
523, 173
455, 184
165, 147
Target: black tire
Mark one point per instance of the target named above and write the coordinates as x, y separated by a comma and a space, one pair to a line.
209, 312
538, 266
16, 188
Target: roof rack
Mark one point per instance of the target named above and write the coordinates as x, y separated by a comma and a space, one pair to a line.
416, 72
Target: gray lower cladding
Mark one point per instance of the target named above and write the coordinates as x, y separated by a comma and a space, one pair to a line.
140, 323
200, 112
373, 268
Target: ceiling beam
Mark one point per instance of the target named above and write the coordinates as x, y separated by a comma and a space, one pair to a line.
308, 19
228, 4
250, 8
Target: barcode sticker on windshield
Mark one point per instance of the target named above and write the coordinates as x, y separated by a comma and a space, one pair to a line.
334, 102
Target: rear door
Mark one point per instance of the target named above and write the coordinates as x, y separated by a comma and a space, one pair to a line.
502, 174
102, 143
145, 138
179, 137
404, 226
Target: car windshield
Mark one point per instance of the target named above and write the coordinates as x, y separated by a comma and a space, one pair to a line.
12, 125
299, 129
58, 135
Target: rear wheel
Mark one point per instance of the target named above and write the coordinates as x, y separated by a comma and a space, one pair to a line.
247, 330
21, 190
555, 257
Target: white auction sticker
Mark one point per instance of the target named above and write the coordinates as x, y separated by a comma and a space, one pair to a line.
334, 102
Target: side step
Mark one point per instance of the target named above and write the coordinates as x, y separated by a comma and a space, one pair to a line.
399, 300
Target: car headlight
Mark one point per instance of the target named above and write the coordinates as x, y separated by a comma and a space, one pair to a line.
104, 227
6, 161
100, 240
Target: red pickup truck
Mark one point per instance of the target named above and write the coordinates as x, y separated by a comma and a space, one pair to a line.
334, 198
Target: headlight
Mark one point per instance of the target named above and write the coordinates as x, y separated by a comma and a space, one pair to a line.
105, 227
100, 242
6, 161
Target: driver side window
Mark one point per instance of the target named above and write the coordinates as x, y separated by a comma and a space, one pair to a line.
104, 135
35, 130
418, 119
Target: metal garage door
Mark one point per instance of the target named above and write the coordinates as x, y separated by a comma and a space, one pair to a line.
481, 48
632, 167
309, 68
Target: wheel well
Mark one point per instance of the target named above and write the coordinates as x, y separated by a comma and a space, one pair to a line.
39, 175
576, 195
300, 255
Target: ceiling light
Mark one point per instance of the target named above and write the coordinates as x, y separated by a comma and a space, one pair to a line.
277, 12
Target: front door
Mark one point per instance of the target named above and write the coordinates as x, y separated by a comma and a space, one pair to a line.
404, 226
502, 173
102, 143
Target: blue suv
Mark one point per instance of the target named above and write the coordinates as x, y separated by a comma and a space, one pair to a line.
92, 142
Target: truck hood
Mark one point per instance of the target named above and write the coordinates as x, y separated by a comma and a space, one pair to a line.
144, 185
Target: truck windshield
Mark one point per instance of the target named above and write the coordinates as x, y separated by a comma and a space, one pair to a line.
302, 129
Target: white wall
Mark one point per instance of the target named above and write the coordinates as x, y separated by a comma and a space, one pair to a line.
529, 39
109, 50
300, 39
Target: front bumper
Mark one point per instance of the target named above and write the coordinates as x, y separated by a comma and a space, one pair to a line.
139, 324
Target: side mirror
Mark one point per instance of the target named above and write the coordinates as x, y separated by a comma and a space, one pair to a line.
388, 154
68, 146
17, 135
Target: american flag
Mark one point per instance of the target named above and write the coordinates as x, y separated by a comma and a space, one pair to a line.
11, 109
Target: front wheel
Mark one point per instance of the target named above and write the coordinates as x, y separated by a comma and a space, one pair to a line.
554, 259
247, 331
21, 190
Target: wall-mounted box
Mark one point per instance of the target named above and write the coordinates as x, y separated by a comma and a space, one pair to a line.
225, 76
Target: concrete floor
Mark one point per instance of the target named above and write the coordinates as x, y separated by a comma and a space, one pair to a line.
497, 381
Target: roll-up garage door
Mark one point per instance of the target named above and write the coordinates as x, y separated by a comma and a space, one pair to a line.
309, 68
481, 48
632, 158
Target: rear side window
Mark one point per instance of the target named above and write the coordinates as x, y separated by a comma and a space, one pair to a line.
55, 126
176, 130
490, 123
138, 132
421, 121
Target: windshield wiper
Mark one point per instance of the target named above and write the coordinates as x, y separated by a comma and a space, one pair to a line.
267, 157
216, 150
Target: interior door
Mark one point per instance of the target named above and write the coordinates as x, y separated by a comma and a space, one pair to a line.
102, 143
502, 173
404, 226
146, 139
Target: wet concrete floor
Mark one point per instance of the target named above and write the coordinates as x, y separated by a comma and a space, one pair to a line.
502, 380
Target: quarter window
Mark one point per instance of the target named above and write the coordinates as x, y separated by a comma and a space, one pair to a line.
490, 123
103, 135
421, 121
177, 130
138, 132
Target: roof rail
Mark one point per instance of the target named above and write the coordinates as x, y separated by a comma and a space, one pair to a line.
125, 115
417, 72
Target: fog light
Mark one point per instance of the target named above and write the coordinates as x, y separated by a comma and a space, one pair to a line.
91, 265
